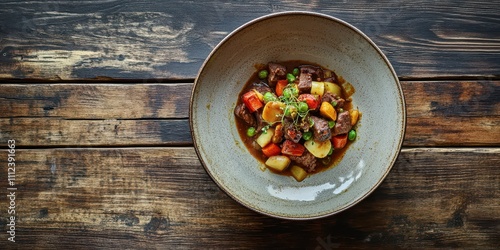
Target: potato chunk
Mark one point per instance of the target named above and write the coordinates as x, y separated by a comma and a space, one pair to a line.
278, 162
298, 173
318, 149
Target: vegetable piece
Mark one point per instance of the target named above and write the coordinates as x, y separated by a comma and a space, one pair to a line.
271, 150
263, 74
265, 137
298, 173
351, 135
290, 111
307, 135
252, 101
296, 71
318, 149
278, 162
292, 148
331, 124
287, 93
251, 131
317, 88
312, 101
268, 96
354, 116
303, 107
290, 78
259, 95
348, 89
339, 141
327, 111
327, 73
280, 86
273, 111
333, 88
294, 88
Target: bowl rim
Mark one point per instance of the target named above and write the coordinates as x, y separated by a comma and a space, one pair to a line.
306, 13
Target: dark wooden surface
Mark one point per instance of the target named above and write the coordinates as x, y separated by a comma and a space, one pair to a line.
95, 95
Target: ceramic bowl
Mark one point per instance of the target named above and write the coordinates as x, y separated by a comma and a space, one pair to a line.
315, 38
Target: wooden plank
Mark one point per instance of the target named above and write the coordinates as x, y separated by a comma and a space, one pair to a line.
442, 113
159, 197
95, 101
67, 40
43, 132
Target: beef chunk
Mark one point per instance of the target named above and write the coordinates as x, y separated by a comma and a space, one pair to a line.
262, 87
305, 82
321, 131
243, 113
306, 160
276, 72
291, 132
343, 124
315, 72
330, 76
329, 97
308, 74
259, 121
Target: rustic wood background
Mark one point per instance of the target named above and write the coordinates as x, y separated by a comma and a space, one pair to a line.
95, 93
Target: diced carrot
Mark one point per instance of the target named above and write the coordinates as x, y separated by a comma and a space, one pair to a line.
312, 101
271, 149
252, 101
292, 148
280, 86
339, 141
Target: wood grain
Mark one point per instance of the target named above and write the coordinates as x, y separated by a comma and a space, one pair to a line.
95, 101
68, 40
439, 113
442, 113
162, 198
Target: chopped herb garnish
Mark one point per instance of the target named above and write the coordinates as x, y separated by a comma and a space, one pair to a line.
265, 128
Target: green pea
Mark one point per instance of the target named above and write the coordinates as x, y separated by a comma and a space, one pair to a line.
331, 124
352, 135
251, 131
288, 111
287, 93
307, 135
295, 71
268, 97
303, 107
263, 74
295, 91
331, 151
334, 103
290, 78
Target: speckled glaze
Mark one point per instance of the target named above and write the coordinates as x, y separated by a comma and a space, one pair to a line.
316, 38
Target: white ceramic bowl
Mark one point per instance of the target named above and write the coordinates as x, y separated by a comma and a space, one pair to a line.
315, 38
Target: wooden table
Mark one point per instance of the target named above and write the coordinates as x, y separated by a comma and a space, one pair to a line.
95, 96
